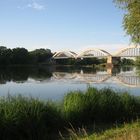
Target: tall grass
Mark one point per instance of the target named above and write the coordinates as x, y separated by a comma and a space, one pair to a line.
125, 132
31, 119
103, 105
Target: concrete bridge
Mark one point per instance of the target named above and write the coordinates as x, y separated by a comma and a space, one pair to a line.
99, 53
123, 79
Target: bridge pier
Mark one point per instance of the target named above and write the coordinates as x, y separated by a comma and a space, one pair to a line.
109, 70
112, 61
109, 60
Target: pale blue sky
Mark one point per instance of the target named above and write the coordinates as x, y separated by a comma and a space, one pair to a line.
61, 24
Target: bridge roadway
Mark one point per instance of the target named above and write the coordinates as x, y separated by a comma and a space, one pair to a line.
125, 79
100, 53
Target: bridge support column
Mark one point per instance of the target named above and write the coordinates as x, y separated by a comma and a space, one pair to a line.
109, 61
113, 61
109, 70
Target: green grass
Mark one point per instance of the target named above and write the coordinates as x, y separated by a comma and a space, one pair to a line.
125, 132
31, 119
103, 105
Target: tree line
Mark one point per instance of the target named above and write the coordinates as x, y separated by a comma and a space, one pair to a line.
18, 56
21, 56
85, 61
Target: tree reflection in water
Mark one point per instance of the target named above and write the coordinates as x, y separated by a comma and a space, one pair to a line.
124, 75
21, 74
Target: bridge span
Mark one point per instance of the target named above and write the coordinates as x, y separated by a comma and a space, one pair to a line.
99, 53
126, 80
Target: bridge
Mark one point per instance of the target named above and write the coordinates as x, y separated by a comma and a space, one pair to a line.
88, 78
123, 79
100, 53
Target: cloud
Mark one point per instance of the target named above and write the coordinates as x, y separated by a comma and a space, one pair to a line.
36, 6
33, 5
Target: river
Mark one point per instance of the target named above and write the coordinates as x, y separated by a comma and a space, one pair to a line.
51, 83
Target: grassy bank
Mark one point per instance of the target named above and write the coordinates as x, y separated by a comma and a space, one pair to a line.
125, 132
30, 119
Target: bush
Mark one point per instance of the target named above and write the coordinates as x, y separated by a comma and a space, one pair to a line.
22, 118
103, 105
31, 119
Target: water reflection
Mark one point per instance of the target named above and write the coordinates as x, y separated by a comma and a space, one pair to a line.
22, 74
53, 82
127, 78
124, 75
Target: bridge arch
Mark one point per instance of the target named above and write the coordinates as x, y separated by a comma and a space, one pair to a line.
81, 77
131, 81
93, 52
128, 52
64, 55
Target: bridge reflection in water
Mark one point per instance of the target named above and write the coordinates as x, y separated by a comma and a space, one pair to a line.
127, 79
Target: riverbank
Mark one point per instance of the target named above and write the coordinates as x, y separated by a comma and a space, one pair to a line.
27, 118
129, 131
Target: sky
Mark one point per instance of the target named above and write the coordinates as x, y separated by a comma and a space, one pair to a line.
62, 25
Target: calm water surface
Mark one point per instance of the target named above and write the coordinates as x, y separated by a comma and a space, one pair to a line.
53, 82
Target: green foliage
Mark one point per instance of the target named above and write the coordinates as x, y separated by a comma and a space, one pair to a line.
5, 55
88, 61
103, 105
21, 56
131, 21
40, 55
74, 106
85, 61
137, 62
30, 119
125, 61
129, 131
27, 119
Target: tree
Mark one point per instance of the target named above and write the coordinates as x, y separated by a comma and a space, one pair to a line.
125, 61
40, 55
137, 62
131, 21
5, 55
20, 56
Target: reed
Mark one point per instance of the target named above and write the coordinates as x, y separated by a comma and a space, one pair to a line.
31, 119
103, 105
